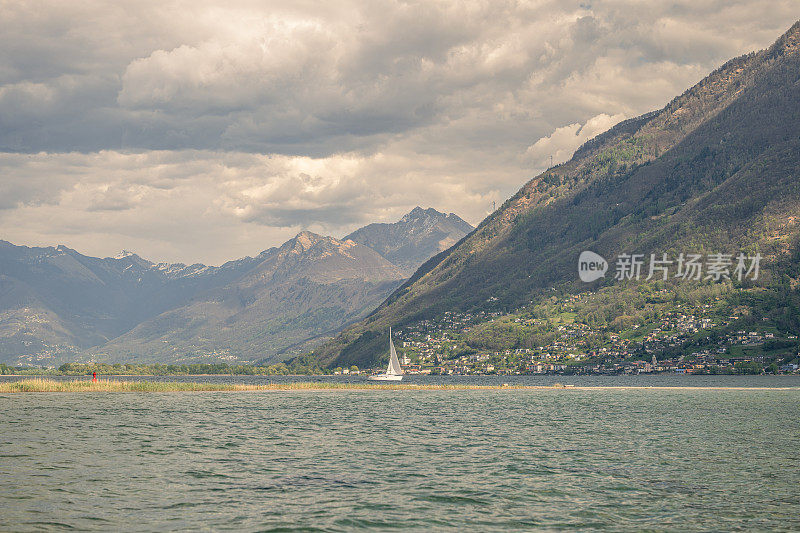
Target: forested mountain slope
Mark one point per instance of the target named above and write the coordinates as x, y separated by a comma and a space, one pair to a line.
714, 171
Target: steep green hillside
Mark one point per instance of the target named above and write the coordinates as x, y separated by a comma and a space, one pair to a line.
716, 170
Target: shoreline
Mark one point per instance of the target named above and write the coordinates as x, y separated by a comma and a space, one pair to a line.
49, 376
82, 385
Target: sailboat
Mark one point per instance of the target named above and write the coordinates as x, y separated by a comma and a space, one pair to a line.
393, 371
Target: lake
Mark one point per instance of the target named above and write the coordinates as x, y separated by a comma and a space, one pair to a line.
343, 460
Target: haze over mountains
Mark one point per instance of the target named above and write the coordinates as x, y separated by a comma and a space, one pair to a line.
59, 305
716, 170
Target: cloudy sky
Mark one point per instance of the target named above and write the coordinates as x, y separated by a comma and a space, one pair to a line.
205, 131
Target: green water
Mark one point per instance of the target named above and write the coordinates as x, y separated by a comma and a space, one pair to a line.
423, 460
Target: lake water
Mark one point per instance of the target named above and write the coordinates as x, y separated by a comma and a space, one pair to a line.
342, 460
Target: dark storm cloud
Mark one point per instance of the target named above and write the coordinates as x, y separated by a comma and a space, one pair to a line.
284, 80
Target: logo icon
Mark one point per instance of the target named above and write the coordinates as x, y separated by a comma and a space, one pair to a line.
591, 266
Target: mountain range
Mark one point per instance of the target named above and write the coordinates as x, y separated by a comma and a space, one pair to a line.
716, 170
59, 305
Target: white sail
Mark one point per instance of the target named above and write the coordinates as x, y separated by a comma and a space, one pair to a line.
393, 372
394, 365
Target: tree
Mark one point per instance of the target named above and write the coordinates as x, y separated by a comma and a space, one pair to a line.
747, 367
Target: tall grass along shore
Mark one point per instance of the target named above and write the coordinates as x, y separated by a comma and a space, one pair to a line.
51, 385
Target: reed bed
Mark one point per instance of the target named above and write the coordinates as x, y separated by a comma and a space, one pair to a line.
83, 385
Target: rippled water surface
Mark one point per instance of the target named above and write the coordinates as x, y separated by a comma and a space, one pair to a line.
449, 460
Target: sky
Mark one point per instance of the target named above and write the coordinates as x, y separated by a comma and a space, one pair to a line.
197, 131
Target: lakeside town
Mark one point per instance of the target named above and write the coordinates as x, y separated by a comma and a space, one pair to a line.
645, 330
683, 339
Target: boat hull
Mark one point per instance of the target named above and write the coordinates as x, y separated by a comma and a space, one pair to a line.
385, 377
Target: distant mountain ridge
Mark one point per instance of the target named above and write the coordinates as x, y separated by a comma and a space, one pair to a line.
415, 238
308, 287
57, 304
717, 170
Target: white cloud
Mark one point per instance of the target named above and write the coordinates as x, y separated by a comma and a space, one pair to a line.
204, 130
565, 140
213, 206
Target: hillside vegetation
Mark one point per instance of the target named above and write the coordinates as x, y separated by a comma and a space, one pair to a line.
715, 171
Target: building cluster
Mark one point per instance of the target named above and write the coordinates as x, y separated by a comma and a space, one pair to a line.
686, 339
